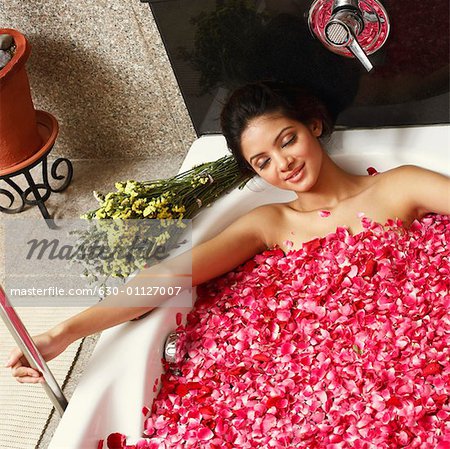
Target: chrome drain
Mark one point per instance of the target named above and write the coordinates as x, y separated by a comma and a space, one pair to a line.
170, 348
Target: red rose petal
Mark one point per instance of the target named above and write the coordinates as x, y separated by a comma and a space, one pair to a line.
270, 291
432, 368
440, 398
116, 441
249, 266
182, 390
311, 245
273, 401
194, 385
261, 357
394, 401
370, 269
207, 411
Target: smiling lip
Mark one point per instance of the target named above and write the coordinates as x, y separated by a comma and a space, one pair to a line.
294, 175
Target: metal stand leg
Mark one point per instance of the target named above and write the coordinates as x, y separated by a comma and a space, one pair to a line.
34, 188
31, 353
39, 200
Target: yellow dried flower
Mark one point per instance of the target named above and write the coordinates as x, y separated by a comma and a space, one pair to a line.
150, 209
139, 205
100, 213
120, 186
163, 213
130, 187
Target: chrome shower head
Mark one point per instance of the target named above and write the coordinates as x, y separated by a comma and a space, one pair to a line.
337, 34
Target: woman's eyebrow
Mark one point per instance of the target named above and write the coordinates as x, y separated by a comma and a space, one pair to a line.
256, 155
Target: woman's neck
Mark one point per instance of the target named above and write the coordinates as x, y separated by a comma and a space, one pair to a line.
333, 185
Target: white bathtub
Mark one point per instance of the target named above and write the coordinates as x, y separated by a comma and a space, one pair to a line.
120, 376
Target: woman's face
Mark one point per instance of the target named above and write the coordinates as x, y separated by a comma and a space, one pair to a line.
284, 152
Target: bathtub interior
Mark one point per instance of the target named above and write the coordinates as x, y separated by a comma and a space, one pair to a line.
119, 379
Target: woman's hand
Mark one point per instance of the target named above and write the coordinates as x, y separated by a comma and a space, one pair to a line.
49, 344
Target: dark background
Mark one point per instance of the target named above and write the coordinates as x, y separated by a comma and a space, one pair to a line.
216, 45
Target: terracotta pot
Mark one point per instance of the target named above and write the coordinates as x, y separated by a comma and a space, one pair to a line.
19, 135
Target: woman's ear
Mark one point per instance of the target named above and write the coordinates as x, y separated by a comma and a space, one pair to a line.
316, 127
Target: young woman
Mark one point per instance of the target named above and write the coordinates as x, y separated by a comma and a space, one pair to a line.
276, 132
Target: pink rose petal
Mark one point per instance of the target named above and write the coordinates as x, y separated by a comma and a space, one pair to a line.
204, 434
324, 213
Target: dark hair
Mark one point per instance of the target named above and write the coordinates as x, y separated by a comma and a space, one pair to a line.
256, 99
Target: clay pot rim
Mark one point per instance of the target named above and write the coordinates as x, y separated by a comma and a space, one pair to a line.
21, 54
47, 127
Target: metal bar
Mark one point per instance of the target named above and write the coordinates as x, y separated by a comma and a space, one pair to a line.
31, 353
39, 200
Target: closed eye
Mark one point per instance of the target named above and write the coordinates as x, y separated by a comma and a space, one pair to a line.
290, 141
263, 163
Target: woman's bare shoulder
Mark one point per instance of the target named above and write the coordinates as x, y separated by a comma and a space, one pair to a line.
420, 190
403, 172
273, 211
268, 208
396, 178
405, 177
272, 221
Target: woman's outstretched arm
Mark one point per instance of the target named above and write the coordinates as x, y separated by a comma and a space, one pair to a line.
236, 244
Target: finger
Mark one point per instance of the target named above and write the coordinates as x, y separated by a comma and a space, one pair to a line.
14, 356
30, 380
22, 371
